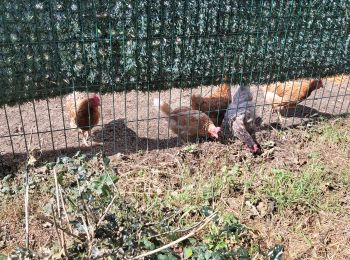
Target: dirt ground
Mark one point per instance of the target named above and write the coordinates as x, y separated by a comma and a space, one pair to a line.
319, 231
130, 123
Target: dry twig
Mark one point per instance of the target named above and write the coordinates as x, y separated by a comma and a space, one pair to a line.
192, 233
63, 241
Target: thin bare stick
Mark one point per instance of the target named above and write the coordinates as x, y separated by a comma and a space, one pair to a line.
192, 233
55, 225
64, 210
26, 194
90, 238
106, 211
57, 193
63, 241
26, 207
86, 228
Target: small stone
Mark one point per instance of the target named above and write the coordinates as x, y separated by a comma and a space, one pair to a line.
47, 225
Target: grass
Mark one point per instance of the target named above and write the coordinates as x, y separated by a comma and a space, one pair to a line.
335, 133
287, 189
281, 201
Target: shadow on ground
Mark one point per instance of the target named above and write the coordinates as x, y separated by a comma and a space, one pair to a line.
116, 137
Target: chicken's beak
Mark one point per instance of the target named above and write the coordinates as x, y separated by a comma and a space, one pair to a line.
215, 132
215, 135
255, 149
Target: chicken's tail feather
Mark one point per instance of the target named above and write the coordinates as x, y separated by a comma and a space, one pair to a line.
162, 106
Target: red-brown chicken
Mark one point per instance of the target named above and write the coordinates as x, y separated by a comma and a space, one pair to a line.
83, 111
213, 104
289, 94
186, 122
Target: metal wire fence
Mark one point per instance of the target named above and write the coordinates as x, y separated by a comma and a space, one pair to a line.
129, 122
131, 53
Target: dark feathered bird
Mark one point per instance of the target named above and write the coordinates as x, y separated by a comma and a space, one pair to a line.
240, 118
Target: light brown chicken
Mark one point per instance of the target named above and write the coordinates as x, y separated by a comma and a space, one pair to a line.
188, 123
289, 94
83, 111
215, 103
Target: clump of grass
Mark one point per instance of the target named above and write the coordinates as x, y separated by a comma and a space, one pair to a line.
306, 188
334, 133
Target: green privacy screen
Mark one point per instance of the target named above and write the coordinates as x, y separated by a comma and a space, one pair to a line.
49, 48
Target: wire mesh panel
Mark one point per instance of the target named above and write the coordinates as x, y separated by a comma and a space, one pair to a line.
132, 52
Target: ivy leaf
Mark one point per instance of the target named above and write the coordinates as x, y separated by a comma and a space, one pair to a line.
167, 256
148, 244
188, 252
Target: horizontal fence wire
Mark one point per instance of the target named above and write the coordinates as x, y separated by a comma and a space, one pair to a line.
130, 53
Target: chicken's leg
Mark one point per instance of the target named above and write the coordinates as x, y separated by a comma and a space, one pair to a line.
183, 138
72, 124
85, 138
280, 118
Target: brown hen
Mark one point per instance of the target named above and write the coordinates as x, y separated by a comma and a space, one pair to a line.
186, 122
289, 94
83, 111
215, 103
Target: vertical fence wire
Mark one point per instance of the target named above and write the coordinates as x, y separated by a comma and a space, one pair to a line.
291, 84
282, 59
297, 84
9, 130
99, 69
83, 60
173, 48
195, 54
39, 70
162, 46
343, 101
135, 14
314, 98
57, 62
323, 90
36, 125
111, 40
229, 63
274, 44
24, 131
258, 85
330, 95
302, 12
337, 96
123, 79
303, 109
148, 67
264, 53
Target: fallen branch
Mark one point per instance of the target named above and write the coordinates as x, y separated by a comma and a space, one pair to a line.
192, 233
